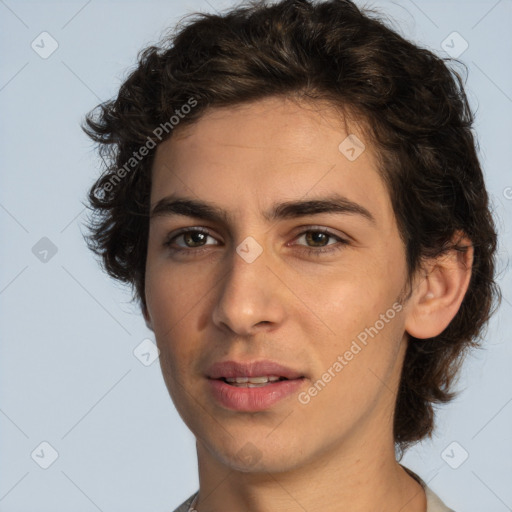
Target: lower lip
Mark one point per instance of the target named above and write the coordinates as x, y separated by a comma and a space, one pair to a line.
253, 399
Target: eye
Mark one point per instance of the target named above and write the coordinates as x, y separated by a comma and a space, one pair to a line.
317, 238
191, 238
317, 241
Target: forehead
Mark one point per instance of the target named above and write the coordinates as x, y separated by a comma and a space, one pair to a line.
272, 149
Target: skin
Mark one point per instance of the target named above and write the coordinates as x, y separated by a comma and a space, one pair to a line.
299, 309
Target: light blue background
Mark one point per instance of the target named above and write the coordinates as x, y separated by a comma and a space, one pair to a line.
68, 375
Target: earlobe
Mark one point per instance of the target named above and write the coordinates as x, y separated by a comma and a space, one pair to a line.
439, 291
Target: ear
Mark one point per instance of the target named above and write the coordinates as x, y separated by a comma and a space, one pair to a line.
439, 289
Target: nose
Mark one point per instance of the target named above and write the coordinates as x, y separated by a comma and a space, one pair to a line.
250, 297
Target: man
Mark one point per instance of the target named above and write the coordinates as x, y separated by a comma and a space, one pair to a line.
294, 193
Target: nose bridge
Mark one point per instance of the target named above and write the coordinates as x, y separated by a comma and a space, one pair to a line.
248, 293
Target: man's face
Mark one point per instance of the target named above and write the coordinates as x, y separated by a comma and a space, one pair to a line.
313, 292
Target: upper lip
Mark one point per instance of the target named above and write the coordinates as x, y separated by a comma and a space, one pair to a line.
232, 369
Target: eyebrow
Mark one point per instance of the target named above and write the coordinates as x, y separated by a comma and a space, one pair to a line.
335, 203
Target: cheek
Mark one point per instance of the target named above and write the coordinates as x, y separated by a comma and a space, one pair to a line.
365, 321
354, 297
168, 292
169, 304
361, 364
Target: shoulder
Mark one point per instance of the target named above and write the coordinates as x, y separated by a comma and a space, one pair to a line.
186, 504
434, 503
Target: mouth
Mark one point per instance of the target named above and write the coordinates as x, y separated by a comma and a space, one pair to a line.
256, 372
252, 382
252, 387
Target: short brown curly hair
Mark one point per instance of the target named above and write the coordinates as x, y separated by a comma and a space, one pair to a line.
416, 113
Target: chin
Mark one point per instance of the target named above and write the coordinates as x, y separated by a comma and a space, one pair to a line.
249, 454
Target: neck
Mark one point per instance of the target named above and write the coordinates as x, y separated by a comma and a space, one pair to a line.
362, 479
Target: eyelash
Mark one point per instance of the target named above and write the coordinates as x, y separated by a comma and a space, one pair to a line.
316, 251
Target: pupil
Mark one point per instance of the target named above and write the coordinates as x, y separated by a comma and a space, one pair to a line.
317, 237
194, 238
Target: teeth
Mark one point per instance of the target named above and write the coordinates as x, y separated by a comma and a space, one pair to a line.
239, 380
252, 380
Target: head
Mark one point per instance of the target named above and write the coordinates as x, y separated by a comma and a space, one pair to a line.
248, 110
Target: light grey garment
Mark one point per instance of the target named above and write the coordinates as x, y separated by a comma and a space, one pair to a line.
434, 504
